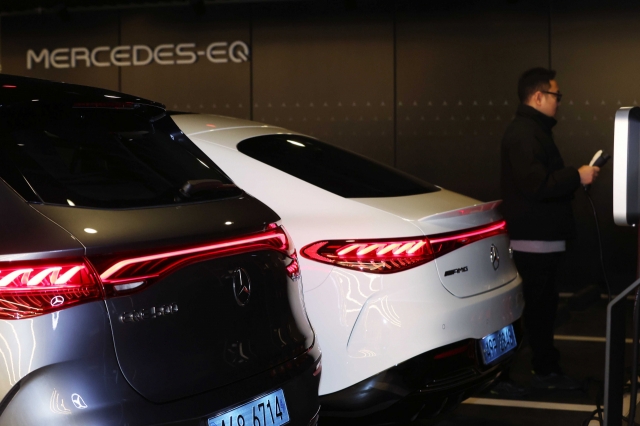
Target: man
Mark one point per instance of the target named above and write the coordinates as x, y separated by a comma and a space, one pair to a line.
537, 189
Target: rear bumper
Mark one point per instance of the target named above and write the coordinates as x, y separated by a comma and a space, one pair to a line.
49, 396
425, 385
368, 324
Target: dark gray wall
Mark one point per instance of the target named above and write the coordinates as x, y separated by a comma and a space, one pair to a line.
200, 87
427, 88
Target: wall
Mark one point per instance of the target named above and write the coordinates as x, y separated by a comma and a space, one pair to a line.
429, 89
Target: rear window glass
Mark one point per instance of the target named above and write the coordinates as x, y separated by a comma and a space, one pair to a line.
332, 169
105, 155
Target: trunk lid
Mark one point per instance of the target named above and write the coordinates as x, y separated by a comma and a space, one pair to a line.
476, 268
193, 329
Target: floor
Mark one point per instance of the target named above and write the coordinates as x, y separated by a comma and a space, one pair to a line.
580, 337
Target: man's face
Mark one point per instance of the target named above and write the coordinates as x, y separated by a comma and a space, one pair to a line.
548, 102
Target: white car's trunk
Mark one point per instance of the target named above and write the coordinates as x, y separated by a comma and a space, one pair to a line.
473, 269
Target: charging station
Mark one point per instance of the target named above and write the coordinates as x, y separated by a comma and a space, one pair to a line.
626, 177
626, 212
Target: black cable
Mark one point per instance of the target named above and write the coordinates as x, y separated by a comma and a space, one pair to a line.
604, 271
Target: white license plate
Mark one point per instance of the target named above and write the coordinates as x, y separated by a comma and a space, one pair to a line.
267, 410
494, 345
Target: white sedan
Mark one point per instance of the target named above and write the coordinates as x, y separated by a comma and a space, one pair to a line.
411, 288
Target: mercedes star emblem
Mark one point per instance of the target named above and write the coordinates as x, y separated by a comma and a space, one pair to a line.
241, 286
78, 401
495, 257
57, 301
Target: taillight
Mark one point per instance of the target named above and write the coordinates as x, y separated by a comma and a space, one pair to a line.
385, 256
34, 288
130, 273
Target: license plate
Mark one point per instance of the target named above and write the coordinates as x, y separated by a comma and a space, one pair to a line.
267, 410
496, 344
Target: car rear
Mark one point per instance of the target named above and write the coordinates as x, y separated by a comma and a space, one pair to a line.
138, 284
411, 287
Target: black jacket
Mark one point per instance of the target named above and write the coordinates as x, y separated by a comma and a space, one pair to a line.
536, 186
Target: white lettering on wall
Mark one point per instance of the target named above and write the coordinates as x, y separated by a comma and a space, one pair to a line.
59, 58
180, 51
220, 52
137, 61
239, 52
119, 56
94, 56
31, 58
164, 51
216, 52
80, 54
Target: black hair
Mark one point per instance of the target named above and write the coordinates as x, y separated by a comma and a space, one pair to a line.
534, 80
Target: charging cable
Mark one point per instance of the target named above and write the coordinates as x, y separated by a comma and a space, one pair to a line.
599, 160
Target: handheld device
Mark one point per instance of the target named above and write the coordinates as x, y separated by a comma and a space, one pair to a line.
598, 160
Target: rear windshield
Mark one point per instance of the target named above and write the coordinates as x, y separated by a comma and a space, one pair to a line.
106, 155
332, 169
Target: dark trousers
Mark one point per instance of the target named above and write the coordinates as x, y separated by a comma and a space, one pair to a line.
539, 272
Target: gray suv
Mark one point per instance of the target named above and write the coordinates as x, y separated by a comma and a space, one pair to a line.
138, 284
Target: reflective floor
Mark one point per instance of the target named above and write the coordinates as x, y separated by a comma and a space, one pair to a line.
580, 337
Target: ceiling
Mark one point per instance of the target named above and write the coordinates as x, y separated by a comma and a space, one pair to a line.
58, 6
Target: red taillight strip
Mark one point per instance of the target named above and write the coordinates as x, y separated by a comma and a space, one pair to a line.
385, 256
452, 352
31, 288
50, 274
478, 232
239, 242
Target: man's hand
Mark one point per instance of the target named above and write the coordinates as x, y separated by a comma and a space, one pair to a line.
588, 174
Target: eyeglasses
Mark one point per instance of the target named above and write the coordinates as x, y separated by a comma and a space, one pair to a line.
558, 95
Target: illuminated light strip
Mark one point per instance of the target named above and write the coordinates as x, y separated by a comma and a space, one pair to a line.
405, 247
388, 248
40, 276
68, 275
118, 266
349, 249
499, 225
452, 352
416, 247
369, 249
13, 275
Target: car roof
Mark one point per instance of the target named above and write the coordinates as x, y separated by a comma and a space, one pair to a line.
199, 124
16, 89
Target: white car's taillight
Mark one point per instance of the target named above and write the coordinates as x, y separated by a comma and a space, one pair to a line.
385, 256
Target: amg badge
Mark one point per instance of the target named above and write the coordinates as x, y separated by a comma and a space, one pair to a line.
456, 271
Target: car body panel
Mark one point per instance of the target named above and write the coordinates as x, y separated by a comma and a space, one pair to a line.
474, 269
214, 123
375, 323
139, 229
416, 207
27, 234
209, 339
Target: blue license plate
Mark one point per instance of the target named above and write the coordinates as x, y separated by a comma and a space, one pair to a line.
494, 345
267, 410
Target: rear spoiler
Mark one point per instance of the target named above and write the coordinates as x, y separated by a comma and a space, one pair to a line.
474, 209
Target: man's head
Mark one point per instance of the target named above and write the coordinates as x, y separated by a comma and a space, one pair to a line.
538, 88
